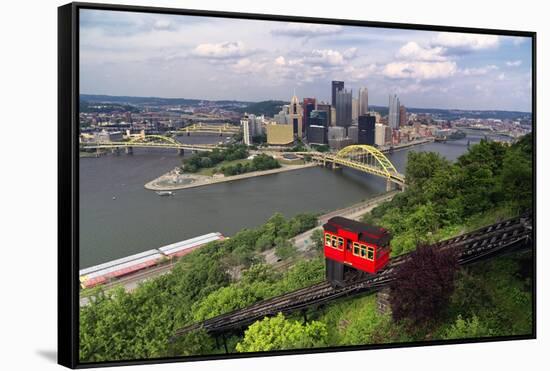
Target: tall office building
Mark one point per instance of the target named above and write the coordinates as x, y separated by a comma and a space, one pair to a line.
295, 116
247, 130
366, 126
393, 116
322, 106
379, 134
354, 110
402, 116
343, 108
353, 134
318, 117
317, 134
363, 99
308, 106
317, 131
336, 86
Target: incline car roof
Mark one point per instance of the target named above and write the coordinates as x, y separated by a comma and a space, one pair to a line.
357, 227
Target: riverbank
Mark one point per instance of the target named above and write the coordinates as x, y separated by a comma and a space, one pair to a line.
303, 243
174, 180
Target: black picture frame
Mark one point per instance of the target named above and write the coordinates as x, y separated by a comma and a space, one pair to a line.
68, 180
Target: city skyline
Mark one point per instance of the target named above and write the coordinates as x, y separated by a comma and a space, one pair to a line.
173, 56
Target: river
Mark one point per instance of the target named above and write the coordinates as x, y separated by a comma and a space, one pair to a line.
119, 217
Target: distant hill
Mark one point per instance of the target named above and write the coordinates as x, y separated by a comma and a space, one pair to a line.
154, 101
453, 114
269, 107
272, 107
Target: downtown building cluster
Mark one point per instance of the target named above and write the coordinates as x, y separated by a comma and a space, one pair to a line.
343, 121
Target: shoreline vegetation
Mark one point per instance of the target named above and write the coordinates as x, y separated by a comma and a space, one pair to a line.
174, 180
227, 164
489, 182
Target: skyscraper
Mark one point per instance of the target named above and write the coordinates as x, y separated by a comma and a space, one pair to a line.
402, 116
322, 106
247, 129
295, 116
366, 129
336, 86
308, 106
354, 110
343, 108
363, 98
393, 115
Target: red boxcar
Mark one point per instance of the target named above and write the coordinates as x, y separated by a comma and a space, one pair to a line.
354, 244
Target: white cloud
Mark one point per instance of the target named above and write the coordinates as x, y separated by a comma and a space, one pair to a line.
350, 53
352, 73
466, 41
163, 24
413, 51
232, 49
477, 71
513, 63
501, 77
326, 57
420, 70
280, 61
306, 30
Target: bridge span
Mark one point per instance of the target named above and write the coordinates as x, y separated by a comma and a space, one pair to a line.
148, 141
361, 157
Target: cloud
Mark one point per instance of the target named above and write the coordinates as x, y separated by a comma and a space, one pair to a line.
477, 71
420, 70
327, 57
513, 63
306, 30
280, 60
466, 42
350, 53
227, 50
163, 24
413, 51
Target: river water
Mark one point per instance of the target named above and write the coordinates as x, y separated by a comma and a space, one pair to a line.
119, 217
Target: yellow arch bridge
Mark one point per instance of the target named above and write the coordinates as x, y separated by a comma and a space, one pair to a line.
364, 158
210, 128
147, 141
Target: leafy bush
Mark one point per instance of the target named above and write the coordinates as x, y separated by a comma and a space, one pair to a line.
278, 333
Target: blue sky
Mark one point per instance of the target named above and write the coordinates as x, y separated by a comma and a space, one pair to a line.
138, 54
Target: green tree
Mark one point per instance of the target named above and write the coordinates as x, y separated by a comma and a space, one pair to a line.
284, 249
467, 329
224, 300
278, 333
317, 237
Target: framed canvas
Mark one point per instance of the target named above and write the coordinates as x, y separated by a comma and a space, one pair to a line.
240, 185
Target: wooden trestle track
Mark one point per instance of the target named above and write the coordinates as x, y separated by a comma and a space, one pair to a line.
487, 242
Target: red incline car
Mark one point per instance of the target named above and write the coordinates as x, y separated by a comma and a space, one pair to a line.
354, 244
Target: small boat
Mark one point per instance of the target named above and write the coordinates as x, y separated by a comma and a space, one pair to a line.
165, 193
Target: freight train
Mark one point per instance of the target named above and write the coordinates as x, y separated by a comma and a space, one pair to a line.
349, 244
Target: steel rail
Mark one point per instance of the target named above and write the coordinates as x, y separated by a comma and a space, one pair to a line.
483, 243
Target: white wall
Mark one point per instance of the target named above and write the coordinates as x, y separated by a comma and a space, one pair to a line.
28, 186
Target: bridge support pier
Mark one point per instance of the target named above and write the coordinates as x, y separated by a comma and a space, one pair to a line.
181, 151
116, 151
389, 186
129, 151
